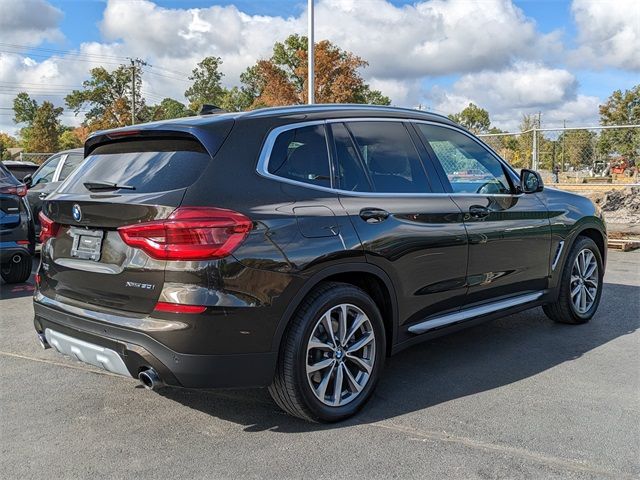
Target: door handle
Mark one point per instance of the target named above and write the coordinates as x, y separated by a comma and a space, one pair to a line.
373, 215
42, 196
478, 211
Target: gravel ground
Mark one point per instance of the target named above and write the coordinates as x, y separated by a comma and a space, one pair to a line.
518, 397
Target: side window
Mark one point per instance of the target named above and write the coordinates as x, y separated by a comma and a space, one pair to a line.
301, 154
350, 171
469, 166
69, 165
390, 157
46, 171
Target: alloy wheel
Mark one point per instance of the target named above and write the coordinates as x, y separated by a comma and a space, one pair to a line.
340, 355
584, 281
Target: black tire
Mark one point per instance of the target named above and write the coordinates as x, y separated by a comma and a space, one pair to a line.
16, 272
563, 310
291, 388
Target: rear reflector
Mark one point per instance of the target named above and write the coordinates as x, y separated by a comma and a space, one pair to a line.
179, 308
190, 233
23, 242
19, 190
48, 228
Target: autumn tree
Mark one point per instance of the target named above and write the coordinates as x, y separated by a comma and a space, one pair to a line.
6, 142
107, 95
169, 108
576, 147
43, 128
621, 108
70, 139
207, 84
473, 118
282, 79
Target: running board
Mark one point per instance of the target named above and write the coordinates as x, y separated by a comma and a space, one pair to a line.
474, 312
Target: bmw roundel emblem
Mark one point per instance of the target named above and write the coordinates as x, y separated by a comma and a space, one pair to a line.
76, 212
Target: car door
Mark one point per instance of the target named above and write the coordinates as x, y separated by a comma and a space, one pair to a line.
509, 232
407, 225
40, 185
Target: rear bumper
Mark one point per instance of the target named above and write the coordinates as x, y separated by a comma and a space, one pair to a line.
138, 351
9, 249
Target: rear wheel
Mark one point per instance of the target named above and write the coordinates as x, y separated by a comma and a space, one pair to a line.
331, 355
17, 269
580, 285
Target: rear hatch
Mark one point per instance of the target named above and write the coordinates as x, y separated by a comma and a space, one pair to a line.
129, 177
10, 192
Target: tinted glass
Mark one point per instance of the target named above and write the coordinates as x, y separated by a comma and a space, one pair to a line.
351, 174
470, 167
70, 164
390, 157
6, 177
301, 154
46, 171
150, 165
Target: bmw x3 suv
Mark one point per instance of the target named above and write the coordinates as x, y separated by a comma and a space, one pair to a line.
295, 248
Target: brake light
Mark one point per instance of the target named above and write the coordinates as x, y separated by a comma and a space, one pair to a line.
178, 308
48, 228
190, 233
19, 190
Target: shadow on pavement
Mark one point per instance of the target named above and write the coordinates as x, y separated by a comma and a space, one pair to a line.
17, 290
481, 358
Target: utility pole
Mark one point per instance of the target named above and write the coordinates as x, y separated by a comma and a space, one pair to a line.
135, 63
310, 53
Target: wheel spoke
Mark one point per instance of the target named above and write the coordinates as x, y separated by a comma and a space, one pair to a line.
357, 323
337, 387
322, 364
328, 326
576, 290
591, 269
365, 340
592, 282
342, 324
353, 383
321, 390
319, 344
363, 364
583, 300
592, 296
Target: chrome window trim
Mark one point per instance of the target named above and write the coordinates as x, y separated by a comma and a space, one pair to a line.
267, 147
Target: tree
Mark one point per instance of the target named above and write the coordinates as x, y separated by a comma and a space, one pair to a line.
577, 147
621, 108
282, 79
169, 108
6, 142
473, 118
43, 128
207, 84
108, 97
69, 139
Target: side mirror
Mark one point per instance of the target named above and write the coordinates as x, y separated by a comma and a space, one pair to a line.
530, 181
27, 180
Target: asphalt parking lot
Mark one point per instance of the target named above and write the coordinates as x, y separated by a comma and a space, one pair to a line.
519, 397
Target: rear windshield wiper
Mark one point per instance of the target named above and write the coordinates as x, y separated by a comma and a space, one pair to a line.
95, 186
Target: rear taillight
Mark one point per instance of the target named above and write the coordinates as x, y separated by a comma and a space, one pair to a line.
19, 190
48, 228
190, 233
178, 308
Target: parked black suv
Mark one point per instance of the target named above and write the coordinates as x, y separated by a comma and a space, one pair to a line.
297, 247
17, 238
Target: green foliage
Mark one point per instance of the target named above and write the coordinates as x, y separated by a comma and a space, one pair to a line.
207, 84
169, 108
621, 108
6, 142
473, 118
108, 97
69, 139
43, 127
24, 108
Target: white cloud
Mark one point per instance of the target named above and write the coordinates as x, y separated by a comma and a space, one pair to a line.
608, 33
524, 88
29, 22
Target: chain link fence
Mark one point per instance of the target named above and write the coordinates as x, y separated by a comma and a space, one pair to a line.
576, 154
38, 158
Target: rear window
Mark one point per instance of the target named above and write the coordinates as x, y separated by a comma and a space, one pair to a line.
149, 165
6, 176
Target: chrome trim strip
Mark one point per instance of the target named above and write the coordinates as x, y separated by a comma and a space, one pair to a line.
86, 352
471, 313
263, 160
557, 257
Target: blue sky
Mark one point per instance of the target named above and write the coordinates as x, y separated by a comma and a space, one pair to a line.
561, 57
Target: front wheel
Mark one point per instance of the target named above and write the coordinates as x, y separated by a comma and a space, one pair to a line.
331, 355
580, 286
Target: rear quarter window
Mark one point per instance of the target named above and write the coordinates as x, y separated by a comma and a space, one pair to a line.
148, 165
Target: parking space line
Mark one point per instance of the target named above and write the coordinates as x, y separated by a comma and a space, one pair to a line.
59, 364
540, 458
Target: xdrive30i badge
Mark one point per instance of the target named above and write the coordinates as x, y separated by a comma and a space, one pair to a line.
144, 286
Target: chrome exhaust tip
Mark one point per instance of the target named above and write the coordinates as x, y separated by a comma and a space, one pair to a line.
16, 258
150, 379
43, 341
